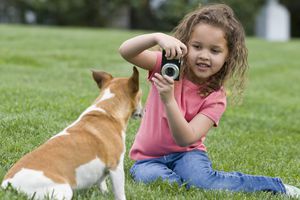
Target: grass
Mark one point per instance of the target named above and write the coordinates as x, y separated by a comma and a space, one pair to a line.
45, 83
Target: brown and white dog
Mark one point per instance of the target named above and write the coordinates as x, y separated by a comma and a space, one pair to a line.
87, 150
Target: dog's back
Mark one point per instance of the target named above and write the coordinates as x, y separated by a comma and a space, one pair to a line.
85, 151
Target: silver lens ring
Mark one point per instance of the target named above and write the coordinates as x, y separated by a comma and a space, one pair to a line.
172, 66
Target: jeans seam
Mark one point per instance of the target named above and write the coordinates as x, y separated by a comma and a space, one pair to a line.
281, 185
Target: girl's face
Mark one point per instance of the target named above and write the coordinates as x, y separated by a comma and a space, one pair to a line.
207, 52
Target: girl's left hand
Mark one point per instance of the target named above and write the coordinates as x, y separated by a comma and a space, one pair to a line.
165, 87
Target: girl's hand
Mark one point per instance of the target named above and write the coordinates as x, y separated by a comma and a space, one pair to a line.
174, 48
165, 87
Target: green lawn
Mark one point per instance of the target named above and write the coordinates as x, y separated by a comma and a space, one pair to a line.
45, 83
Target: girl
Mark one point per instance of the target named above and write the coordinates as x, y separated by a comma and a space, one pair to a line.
178, 114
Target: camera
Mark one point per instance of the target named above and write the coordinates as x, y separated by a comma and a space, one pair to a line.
170, 68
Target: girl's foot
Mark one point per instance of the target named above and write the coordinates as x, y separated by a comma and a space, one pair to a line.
292, 191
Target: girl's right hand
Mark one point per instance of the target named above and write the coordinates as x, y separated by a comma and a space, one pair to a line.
174, 48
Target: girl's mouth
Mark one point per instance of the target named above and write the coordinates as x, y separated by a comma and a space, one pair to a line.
202, 66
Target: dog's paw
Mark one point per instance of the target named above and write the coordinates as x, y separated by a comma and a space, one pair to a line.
103, 187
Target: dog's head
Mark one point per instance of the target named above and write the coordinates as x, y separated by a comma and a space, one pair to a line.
123, 94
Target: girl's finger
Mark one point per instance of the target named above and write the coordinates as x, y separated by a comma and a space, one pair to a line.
167, 50
173, 53
178, 53
157, 82
158, 76
168, 79
184, 49
157, 85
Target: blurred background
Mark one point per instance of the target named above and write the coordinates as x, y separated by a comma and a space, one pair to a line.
158, 15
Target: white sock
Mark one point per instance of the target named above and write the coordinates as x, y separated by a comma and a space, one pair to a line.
292, 191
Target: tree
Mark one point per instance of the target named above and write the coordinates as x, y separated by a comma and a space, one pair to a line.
169, 12
70, 12
294, 7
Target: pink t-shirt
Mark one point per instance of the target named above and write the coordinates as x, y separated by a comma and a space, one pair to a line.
154, 138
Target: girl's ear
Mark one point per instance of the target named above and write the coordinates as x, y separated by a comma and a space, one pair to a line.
101, 78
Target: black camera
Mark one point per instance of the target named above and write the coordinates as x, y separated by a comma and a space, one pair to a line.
170, 68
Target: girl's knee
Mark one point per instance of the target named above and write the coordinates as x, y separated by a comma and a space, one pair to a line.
203, 180
148, 174
145, 172
143, 176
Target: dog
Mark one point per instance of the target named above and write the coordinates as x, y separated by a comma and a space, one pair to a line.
85, 152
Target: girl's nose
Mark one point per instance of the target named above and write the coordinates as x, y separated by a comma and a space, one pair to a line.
203, 54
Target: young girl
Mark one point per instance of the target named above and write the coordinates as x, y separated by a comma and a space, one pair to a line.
178, 114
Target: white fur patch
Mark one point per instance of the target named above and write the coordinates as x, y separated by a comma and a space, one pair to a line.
89, 173
33, 182
107, 95
4, 184
89, 109
60, 134
118, 177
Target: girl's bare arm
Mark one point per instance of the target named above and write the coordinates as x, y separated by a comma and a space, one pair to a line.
135, 50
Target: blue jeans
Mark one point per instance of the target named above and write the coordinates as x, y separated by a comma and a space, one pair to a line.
194, 169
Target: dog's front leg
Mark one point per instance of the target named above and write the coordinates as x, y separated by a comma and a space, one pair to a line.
103, 185
118, 181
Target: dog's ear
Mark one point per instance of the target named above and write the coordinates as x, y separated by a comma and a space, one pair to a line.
101, 78
134, 81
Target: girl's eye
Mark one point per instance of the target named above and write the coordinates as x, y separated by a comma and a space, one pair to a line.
215, 51
196, 46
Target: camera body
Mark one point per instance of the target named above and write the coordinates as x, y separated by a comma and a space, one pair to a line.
170, 68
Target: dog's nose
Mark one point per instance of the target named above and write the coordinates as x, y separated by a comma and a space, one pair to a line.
137, 115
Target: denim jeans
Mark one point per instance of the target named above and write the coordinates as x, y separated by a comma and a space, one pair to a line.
194, 169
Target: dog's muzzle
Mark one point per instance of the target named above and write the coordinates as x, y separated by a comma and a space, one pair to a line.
139, 112
137, 115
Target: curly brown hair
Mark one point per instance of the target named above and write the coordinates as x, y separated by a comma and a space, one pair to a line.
233, 72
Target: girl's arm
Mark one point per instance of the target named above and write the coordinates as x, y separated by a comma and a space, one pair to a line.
135, 50
184, 133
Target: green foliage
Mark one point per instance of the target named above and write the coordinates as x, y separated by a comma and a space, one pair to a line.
293, 7
45, 83
164, 16
168, 14
71, 12
143, 15
246, 11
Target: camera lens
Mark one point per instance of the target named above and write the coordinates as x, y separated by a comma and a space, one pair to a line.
170, 70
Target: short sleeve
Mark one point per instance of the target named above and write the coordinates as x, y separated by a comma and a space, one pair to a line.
156, 68
214, 106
